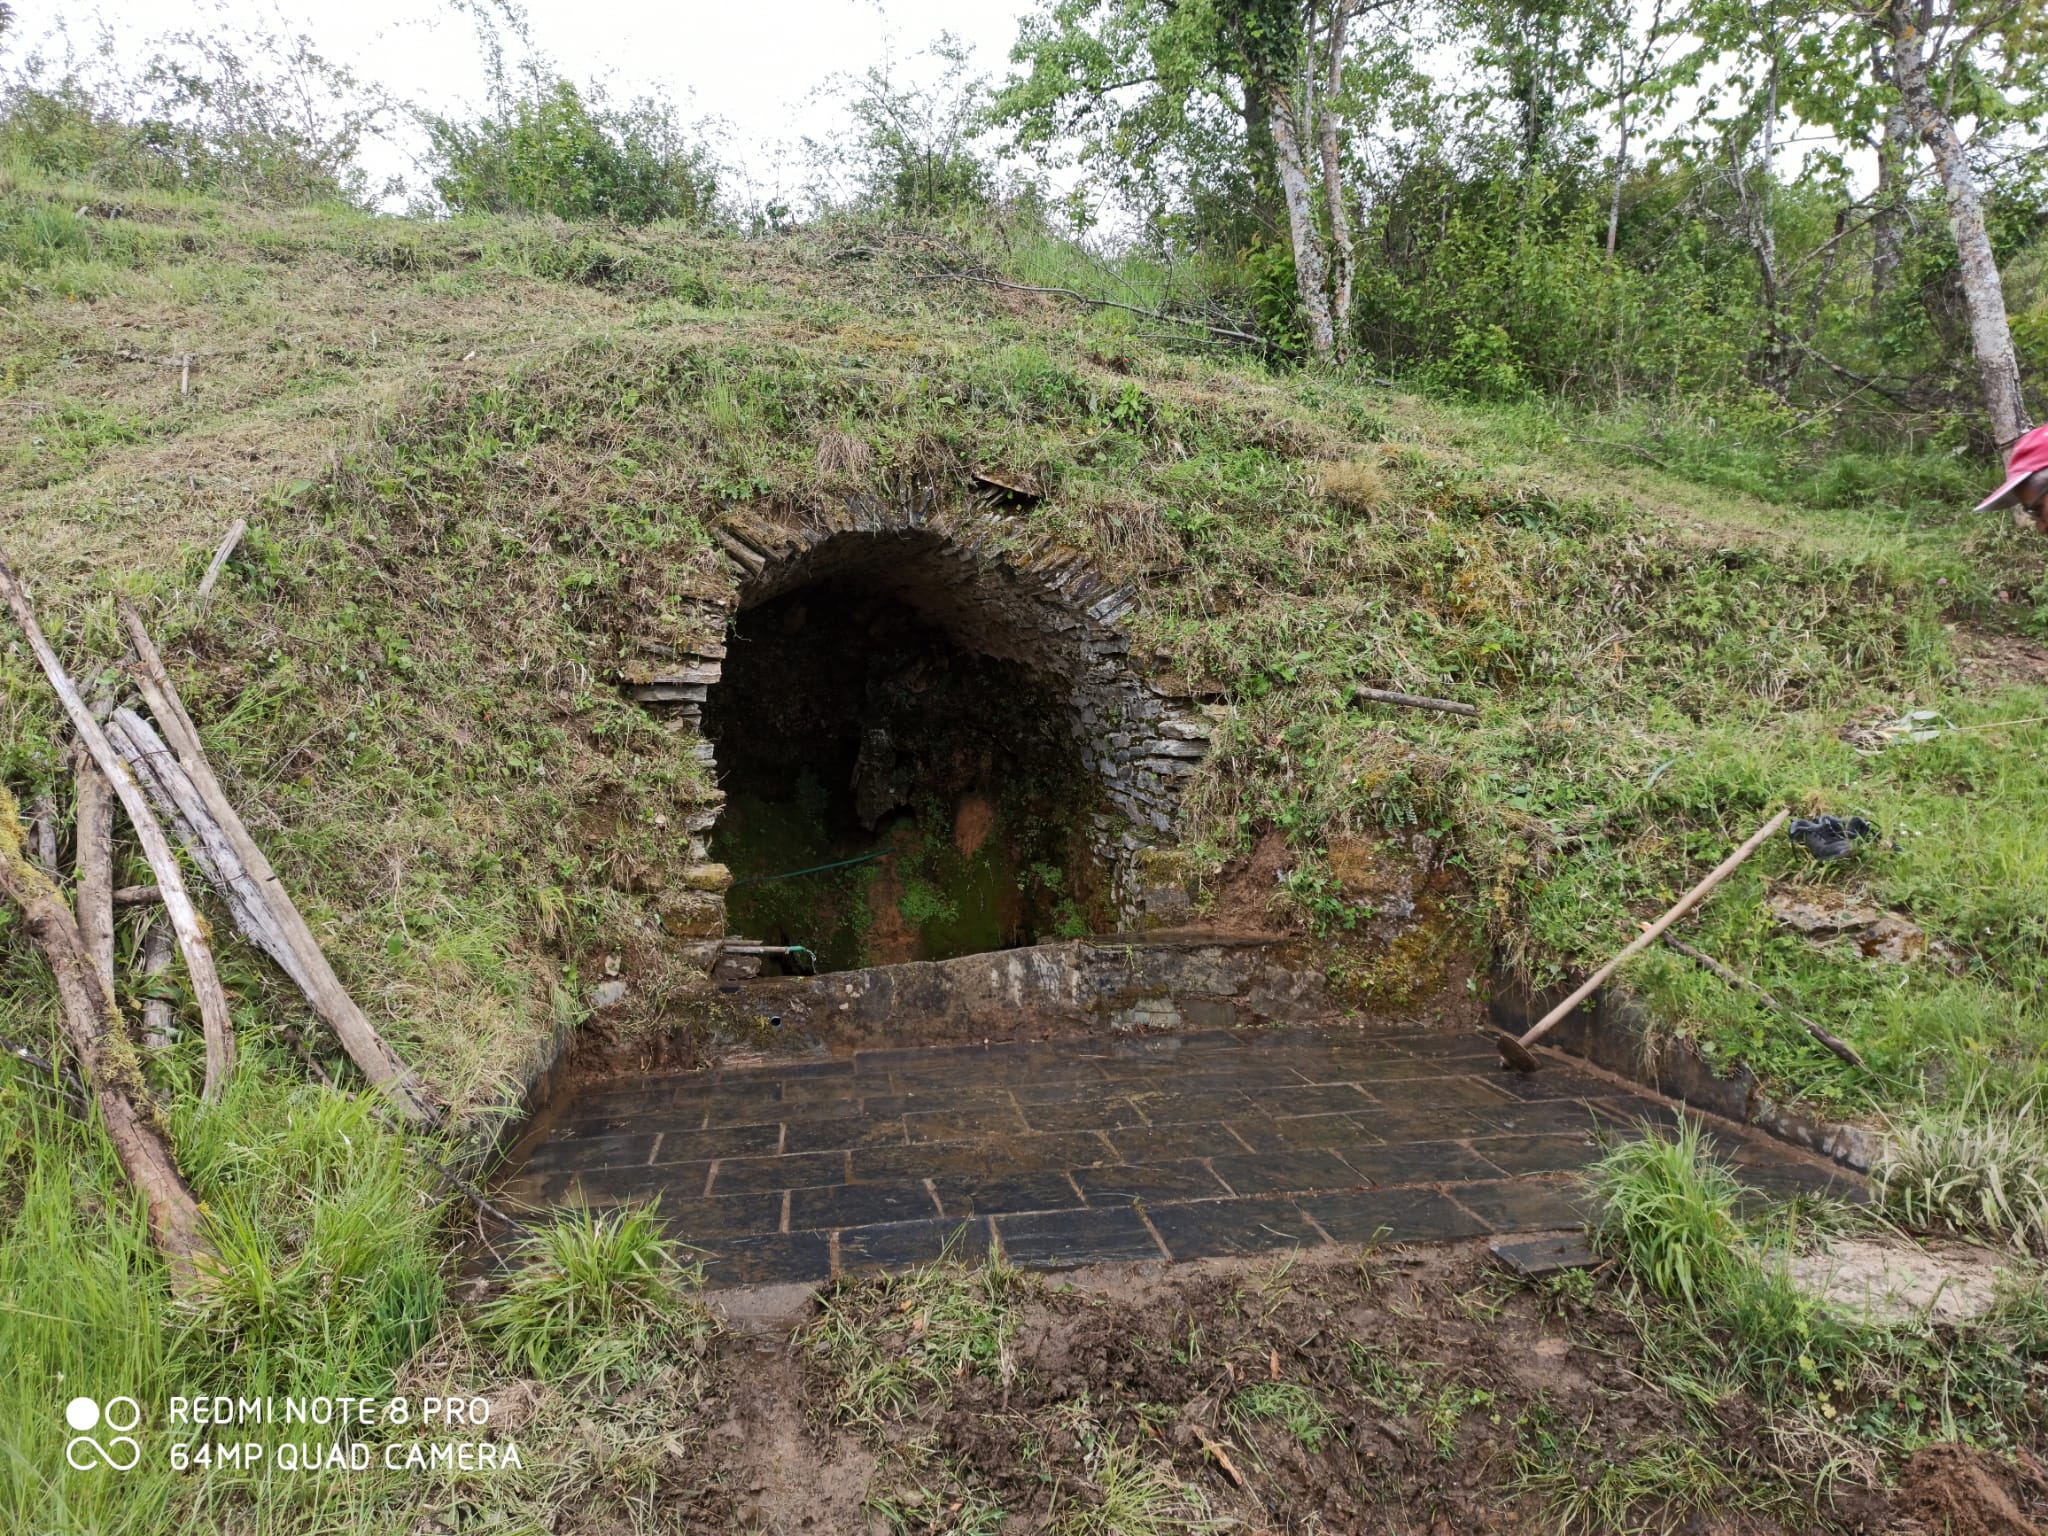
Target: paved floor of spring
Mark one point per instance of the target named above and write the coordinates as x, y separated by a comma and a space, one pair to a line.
1089, 1150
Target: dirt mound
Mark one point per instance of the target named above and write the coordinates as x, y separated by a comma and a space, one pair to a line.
1956, 1491
1246, 889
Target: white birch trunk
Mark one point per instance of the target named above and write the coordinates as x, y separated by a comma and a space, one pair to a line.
1983, 292
1309, 266
1333, 181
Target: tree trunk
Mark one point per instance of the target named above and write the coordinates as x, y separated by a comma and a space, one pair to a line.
262, 906
1622, 85
1983, 292
100, 1042
1301, 221
94, 862
163, 861
1333, 181
1258, 138
1888, 219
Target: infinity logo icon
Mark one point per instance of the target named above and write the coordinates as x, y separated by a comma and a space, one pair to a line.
84, 1452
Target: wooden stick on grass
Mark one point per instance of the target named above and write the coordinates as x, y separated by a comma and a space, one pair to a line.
1736, 979
94, 861
100, 1042
156, 847
1415, 701
299, 954
235, 531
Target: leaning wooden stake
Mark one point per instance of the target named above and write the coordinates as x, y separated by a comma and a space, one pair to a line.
299, 953
100, 1042
94, 862
1515, 1050
1735, 978
156, 847
184, 811
1415, 701
235, 531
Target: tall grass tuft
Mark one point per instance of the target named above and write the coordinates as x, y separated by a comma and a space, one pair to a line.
1974, 1166
593, 1290
1669, 1212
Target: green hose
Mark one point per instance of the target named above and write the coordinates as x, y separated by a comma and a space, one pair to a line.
815, 869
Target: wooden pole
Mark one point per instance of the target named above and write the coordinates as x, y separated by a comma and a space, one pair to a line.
1736, 979
100, 1042
1516, 1050
302, 958
1415, 701
156, 847
157, 946
93, 862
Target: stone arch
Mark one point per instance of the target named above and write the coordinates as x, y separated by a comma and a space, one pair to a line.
996, 592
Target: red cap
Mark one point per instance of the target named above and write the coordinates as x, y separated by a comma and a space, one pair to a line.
2029, 456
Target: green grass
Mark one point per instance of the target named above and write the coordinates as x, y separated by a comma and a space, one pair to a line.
1293, 1407
1129, 1494
589, 1293
899, 1343
1718, 1312
1965, 1166
1657, 1486
1667, 1210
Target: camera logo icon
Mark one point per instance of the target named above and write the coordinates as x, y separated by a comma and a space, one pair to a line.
120, 1451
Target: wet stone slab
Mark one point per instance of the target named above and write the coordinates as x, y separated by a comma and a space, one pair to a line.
1060, 1153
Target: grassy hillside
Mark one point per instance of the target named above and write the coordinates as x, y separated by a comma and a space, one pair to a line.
482, 461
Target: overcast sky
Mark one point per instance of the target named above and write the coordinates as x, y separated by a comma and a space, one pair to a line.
753, 65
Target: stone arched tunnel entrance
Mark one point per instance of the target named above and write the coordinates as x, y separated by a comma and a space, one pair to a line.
915, 683
945, 734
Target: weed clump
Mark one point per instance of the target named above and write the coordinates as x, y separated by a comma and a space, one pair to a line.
1963, 1166
1669, 1214
595, 1291
1352, 484
895, 1344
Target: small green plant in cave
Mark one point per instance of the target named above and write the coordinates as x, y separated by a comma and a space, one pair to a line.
922, 902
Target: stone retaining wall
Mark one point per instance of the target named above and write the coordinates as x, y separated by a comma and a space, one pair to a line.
1151, 983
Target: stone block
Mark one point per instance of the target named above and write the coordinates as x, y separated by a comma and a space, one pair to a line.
706, 877
693, 915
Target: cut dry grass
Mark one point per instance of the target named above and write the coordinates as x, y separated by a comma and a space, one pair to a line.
896, 1345
1356, 485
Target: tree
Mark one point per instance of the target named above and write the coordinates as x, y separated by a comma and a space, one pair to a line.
1140, 92
913, 149
1271, 57
1931, 46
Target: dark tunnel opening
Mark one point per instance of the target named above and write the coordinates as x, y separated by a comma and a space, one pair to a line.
893, 794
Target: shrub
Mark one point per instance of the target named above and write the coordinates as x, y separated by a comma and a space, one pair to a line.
256, 115
549, 151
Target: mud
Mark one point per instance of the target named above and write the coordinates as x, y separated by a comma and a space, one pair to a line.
1954, 1491
1447, 1397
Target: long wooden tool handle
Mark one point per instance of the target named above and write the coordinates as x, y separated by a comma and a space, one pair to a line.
1651, 934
